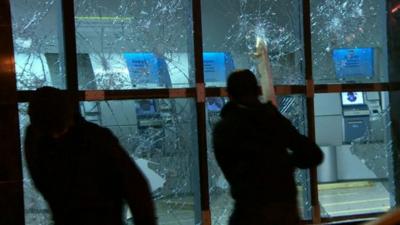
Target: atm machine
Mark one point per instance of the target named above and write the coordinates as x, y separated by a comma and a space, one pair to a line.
147, 114
362, 155
355, 116
148, 70
353, 65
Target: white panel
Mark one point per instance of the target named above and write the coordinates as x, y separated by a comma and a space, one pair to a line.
327, 104
350, 167
328, 130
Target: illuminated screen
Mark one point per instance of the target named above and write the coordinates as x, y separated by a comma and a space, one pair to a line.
215, 104
354, 62
352, 98
146, 107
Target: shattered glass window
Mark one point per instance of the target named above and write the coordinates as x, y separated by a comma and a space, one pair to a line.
293, 108
148, 44
134, 44
232, 27
221, 203
161, 136
35, 34
348, 37
356, 176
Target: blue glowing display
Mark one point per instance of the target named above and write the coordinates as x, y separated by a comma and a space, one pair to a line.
352, 98
215, 104
146, 107
353, 63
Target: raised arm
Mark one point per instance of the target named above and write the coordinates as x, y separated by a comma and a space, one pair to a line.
264, 68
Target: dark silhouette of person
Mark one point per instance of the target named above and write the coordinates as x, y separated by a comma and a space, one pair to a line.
80, 168
258, 149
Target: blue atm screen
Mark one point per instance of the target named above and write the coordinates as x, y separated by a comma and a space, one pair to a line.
353, 62
352, 98
215, 104
143, 68
146, 107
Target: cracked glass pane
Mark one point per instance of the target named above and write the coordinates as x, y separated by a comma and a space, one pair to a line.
293, 108
134, 44
161, 136
354, 132
35, 34
349, 41
232, 27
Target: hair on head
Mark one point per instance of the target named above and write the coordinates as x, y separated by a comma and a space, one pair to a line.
242, 83
50, 109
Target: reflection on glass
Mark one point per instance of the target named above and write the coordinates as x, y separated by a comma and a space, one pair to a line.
232, 27
349, 41
292, 107
160, 135
134, 44
353, 130
35, 35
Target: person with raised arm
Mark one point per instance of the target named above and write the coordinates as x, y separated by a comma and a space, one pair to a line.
258, 149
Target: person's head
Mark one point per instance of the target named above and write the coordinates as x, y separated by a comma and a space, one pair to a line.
51, 111
242, 87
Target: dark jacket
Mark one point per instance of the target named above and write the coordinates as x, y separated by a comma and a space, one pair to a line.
258, 149
86, 176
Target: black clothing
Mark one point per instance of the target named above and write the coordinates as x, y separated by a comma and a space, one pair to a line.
86, 175
258, 149
277, 213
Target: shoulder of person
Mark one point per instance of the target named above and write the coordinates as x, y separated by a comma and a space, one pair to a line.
97, 132
270, 107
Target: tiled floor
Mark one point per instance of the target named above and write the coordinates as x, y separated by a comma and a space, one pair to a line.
359, 198
337, 199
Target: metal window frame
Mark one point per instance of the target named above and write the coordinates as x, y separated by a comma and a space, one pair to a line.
11, 183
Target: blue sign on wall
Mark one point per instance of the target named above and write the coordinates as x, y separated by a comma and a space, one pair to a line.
354, 62
217, 66
147, 69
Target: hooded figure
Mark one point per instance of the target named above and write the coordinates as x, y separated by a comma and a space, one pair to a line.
80, 168
258, 150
